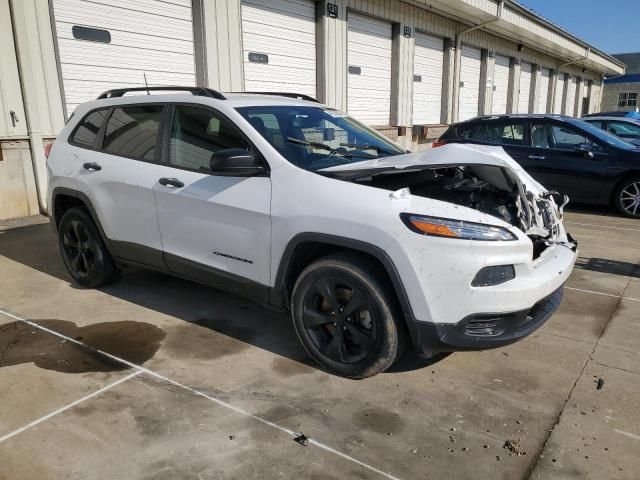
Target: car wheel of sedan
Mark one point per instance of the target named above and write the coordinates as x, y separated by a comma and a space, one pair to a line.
627, 198
346, 317
83, 251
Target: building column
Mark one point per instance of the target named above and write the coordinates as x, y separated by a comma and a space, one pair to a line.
578, 100
447, 81
402, 75
534, 92
331, 61
222, 52
486, 81
514, 85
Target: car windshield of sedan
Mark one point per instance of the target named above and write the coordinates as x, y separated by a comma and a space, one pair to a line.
317, 137
604, 136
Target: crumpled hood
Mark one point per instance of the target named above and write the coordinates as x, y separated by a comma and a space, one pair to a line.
450, 154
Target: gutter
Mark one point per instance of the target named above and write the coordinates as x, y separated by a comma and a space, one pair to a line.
457, 59
36, 147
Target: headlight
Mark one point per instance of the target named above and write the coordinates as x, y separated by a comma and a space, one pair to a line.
446, 227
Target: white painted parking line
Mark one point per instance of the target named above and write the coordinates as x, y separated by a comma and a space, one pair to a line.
603, 293
627, 434
602, 226
189, 389
67, 407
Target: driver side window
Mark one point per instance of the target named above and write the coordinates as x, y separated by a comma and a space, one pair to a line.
197, 133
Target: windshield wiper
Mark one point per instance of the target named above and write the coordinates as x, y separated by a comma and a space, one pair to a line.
323, 146
360, 146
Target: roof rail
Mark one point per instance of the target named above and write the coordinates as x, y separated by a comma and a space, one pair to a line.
299, 96
202, 91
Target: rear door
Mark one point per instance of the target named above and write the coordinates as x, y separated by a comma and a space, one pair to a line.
117, 173
557, 164
215, 229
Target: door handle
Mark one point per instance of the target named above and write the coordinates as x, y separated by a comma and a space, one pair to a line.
92, 167
171, 182
537, 157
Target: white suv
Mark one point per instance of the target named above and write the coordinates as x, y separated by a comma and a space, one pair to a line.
297, 205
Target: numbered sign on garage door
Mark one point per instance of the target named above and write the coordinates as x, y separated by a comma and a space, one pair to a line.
106, 44
525, 87
427, 79
469, 83
542, 91
369, 71
500, 85
279, 46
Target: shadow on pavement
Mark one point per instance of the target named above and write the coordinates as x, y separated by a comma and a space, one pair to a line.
613, 267
200, 306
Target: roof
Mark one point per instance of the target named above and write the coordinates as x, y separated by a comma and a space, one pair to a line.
631, 60
633, 78
518, 116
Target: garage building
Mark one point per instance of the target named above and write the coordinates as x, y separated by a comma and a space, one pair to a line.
408, 68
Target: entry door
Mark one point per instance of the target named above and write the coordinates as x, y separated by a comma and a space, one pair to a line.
119, 179
469, 99
555, 163
215, 229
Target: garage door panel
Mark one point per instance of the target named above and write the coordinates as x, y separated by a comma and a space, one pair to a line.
500, 84
543, 91
89, 74
557, 104
469, 96
428, 65
179, 10
525, 88
369, 47
284, 30
571, 96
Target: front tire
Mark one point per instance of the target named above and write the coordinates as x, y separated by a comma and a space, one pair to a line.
627, 198
346, 317
83, 251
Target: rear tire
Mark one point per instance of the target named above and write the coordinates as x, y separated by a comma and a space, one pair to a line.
346, 316
626, 198
84, 253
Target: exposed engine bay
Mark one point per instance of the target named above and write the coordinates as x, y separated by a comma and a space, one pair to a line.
491, 189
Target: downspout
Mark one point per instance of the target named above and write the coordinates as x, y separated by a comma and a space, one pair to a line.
36, 147
457, 58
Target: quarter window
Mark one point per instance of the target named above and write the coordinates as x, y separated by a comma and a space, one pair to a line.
196, 134
513, 134
133, 132
86, 133
628, 99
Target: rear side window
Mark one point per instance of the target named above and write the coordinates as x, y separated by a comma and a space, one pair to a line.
133, 132
86, 132
512, 134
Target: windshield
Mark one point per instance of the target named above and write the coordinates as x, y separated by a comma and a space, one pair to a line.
603, 135
317, 137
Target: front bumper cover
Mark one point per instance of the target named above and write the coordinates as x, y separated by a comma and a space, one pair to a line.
482, 331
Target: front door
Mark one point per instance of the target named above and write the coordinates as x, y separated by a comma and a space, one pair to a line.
215, 229
565, 159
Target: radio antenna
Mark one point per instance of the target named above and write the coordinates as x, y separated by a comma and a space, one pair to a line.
145, 82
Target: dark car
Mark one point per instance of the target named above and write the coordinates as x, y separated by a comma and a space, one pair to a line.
625, 125
564, 154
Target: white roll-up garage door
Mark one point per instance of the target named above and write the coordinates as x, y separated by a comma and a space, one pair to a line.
525, 88
279, 46
427, 79
112, 43
542, 91
500, 85
469, 83
559, 94
571, 96
369, 70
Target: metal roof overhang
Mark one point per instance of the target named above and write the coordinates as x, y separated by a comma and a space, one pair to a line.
525, 27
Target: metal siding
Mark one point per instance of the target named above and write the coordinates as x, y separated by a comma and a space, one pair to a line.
369, 47
543, 91
285, 30
149, 37
470, 65
428, 64
525, 88
500, 84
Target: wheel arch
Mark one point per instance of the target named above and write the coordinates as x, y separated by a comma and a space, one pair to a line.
305, 248
618, 183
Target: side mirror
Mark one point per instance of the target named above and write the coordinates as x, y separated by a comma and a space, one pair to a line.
585, 149
236, 162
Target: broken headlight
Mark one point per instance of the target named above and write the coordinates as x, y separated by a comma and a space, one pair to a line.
446, 227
